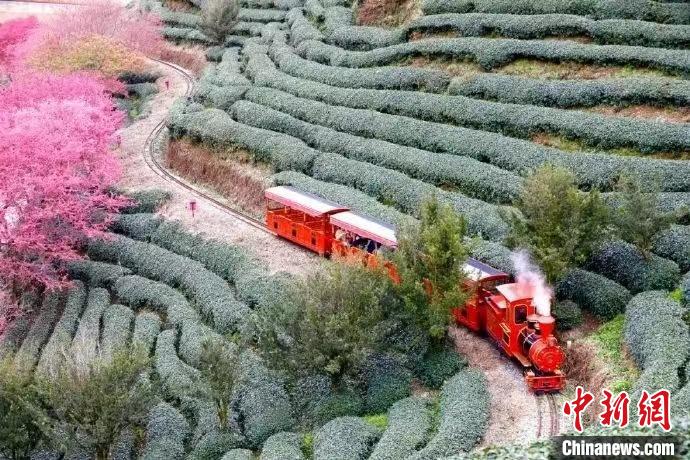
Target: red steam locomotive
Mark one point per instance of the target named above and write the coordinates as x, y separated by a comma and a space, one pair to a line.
505, 311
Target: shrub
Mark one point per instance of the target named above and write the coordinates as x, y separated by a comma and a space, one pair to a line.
623, 263
595, 293
364, 38
345, 438
238, 454
685, 286
147, 326
409, 427
185, 34
464, 416
28, 354
388, 77
674, 244
568, 314
12, 337
96, 274
573, 93
658, 339
117, 325
147, 201
218, 17
193, 337
283, 446
61, 339
165, 424
140, 292
213, 445
178, 379
386, 381
85, 342
317, 402
438, 365
164, 449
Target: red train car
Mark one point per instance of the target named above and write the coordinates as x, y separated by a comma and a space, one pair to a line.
502, 310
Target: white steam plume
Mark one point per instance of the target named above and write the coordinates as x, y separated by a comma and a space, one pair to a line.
528, 274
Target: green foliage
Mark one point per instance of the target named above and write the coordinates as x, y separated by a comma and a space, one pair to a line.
166, 432
386, 381
329, 324
345, 438
593, 292
317, 401
217, 366
568, 315
638, 219
408, 427
438, 365
90, 405
146, 200
283, 446
379, 421
21, 420
432, 253
559, 225
218, 17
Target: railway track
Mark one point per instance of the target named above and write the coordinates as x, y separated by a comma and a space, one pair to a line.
547, 403
153, 161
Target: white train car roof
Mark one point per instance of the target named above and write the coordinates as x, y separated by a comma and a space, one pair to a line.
477, 271
366, 227
303, 201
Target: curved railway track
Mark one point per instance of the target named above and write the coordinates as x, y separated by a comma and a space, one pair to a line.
154, 162
553, 418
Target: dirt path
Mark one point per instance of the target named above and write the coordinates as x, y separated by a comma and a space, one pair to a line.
277, 254
514, 409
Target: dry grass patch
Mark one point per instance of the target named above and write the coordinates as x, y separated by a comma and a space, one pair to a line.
387, 13
192, 58
180, 5
650, 112
229, 172
575, 146
452, 67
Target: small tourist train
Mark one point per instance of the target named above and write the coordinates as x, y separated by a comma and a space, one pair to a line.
503, 310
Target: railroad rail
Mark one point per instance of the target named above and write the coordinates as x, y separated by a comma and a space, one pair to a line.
154, 162
553, 418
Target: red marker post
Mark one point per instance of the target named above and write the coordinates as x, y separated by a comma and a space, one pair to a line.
167, 84
192, 207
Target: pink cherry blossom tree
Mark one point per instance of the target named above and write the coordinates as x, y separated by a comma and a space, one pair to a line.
12, 34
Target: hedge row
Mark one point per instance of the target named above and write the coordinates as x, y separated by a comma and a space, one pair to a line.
674, 244
117, 328
337, 17
464, 416
166, 432
386, 381
625, 264
238, 454
365, 38
470, 176
147, 326
317, 401
97, 274
178, 379
12, 337
139, 292
613, 31
408, 194
180, 18
261, 15
301, 29
600, 170
353, 199
185, 34
388, 77
193, 337
658, 339
283, 446
510, 119
149, 200
601, 9
345, 438
213, 445
491, 53
211, 294
261, 401
593, 292
279, 4
28, 354
438, 365
409, 427
574, 93
61, 338
86, 339
685, 288
314, 10
253, 284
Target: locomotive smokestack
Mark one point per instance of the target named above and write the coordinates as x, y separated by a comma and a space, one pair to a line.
546, 325
527, 274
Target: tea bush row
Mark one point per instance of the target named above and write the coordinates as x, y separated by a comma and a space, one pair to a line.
470, 176
593, 292
365, 38
166, 432
147, 326
612, 31
29, 352
179, 380
117, 328
625, 264
63, 332
491, 53
600, 170
649, 10
283, 446
214, 298
511, 119
86, 339
574, 93
674, 244
346, 438
658, 339
409, 427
